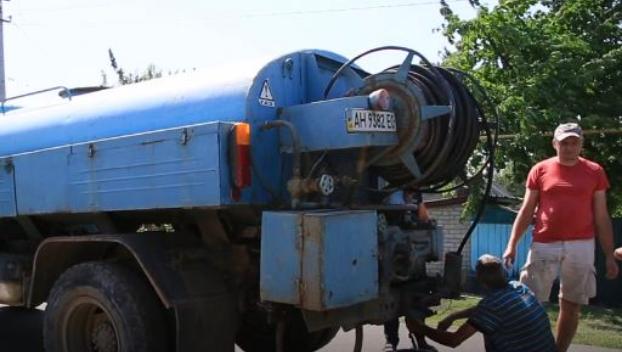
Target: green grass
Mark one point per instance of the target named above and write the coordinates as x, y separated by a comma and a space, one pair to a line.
449, 306
598, 326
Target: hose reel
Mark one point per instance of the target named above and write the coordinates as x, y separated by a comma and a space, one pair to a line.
437, 122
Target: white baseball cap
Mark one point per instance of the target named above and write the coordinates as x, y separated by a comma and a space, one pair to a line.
566, 130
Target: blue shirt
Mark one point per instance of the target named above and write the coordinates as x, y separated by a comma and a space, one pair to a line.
512, 319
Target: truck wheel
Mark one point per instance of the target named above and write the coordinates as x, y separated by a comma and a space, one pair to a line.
103, 307
256, 335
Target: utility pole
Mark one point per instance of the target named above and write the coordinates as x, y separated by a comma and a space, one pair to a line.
2, 83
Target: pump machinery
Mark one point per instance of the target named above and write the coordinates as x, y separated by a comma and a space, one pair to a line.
200, 211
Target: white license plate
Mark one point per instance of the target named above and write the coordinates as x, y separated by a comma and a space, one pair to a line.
361, 120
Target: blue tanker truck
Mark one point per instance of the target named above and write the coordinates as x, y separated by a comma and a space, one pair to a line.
200, 211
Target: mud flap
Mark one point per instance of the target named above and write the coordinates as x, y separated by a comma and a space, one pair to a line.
205, 325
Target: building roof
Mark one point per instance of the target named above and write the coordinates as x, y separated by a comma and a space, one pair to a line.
498, 195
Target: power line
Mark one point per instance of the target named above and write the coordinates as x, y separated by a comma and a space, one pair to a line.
347, 9
60, 9
276, 13
259, 14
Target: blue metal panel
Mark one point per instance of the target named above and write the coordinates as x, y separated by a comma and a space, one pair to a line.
172, 102
173, 168
493, 238
213, 95
340, 260
294, 79
322, 126
137, 108
319, 260
7, 188
281, 241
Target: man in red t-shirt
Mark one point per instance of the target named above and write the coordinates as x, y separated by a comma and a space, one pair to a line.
567, 195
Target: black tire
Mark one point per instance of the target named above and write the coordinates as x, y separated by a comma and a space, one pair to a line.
104, 307
256, 335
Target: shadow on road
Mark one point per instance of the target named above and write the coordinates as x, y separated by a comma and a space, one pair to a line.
21, 329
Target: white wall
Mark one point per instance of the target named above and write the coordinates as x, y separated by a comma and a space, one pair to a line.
454, 229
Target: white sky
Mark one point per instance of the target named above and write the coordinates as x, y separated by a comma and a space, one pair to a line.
65, 42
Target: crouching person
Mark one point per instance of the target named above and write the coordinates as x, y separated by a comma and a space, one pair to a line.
509, 316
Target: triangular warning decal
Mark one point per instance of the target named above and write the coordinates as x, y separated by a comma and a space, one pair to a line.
265, 97
265, 91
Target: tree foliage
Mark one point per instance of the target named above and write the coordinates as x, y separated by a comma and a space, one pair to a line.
543, 63
128, 78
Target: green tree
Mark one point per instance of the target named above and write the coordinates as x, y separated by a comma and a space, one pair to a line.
546, 62
128, 78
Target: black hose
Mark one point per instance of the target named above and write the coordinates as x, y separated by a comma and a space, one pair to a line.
358, 338
350, 62
295, 140
450, 140
451, 135
489, 164
491, 138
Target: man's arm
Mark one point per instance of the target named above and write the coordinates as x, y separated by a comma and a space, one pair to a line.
462, 314
522, 221
447, 338
605, 232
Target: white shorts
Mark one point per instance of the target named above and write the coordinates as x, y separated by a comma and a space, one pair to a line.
571, 261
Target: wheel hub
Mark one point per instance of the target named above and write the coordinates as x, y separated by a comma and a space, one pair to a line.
103, 338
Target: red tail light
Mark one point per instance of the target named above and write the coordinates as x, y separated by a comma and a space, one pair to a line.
240, 158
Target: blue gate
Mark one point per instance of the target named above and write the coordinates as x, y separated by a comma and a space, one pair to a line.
492, 239
491, 236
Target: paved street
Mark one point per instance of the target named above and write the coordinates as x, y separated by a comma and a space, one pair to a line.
373, 341
20, 331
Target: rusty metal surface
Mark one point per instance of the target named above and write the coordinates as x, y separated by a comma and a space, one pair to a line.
281, 266
319, 260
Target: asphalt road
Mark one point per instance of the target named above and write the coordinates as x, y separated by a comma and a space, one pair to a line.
20, 331
373, 341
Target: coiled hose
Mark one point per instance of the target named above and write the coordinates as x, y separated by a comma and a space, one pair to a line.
447, 141
441, 146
